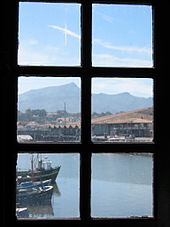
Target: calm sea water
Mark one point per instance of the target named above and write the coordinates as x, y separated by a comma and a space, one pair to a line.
121, 186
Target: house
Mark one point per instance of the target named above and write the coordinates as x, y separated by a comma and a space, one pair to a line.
136, 123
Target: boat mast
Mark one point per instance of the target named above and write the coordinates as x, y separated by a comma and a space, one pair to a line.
64, 114
32, 167
64, 118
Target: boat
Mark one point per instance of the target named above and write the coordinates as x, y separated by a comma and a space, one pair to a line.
43, 171
33, 184
34, 195
117, 139
22, 212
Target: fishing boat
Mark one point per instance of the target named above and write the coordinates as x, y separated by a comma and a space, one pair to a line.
22, 212
41, 170
34, 195
33, 184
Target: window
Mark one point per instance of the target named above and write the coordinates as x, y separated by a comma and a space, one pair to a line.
90, 65
118, 39
49, 109
118, 187
61, 190
44, 38
121, 114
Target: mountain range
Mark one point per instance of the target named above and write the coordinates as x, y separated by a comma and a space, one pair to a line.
53, 98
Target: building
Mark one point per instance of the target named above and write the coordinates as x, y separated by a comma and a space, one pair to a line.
50, 133
132, 124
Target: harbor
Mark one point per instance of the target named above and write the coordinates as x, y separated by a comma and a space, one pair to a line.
62, 198
116, 190
35, 186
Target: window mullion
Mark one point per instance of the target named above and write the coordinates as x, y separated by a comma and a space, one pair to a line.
85, 168
86, 34
86, 28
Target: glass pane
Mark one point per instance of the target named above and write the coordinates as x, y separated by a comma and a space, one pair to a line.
122, 185
122, 35
49, 34
47, 186
122, 110
48, 109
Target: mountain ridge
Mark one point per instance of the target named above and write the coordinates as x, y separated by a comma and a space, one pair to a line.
53, 98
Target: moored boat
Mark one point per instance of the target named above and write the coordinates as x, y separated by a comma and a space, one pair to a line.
22, 212
34, 195
33, 184
43, 171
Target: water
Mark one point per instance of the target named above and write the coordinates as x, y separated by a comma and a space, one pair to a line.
121, 186
65, 199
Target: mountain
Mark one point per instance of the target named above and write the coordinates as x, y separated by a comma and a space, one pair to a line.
53, 98
118, 102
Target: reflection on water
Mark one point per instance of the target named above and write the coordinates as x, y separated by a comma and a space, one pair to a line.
122, 185
56, 190
40, 211
65, 198
125, 168
45, 209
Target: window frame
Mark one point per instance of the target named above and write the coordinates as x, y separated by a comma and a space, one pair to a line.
11, 71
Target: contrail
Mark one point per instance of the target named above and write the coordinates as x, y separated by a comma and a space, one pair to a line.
66, 31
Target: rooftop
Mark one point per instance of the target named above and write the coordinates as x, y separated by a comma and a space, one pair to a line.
144, 115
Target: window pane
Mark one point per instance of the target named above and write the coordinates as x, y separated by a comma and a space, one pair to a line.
49, 34
122, 35
47, 185
48, 109
122, 185
122, 110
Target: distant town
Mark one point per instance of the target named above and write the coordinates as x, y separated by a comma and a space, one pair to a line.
38, 125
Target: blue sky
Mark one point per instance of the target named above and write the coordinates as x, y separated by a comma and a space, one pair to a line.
49, 34
122, 35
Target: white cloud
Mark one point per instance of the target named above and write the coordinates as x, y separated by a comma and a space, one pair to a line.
110, 60
66, 31
142, 50
105, 17
49, 55
33, 42
27, 56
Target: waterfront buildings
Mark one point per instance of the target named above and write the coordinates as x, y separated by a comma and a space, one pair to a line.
130, 126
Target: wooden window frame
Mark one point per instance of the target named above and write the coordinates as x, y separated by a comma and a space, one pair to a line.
10, 72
